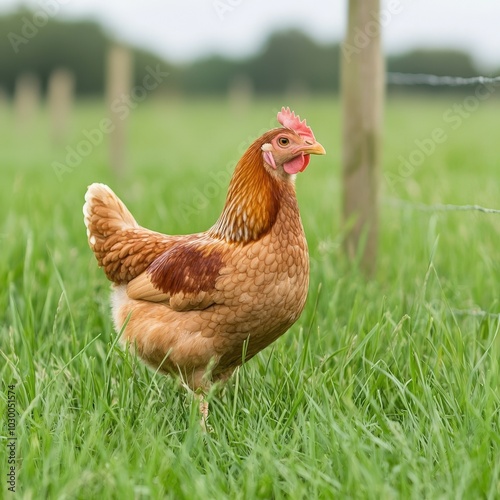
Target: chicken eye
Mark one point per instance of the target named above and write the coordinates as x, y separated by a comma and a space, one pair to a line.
283, 141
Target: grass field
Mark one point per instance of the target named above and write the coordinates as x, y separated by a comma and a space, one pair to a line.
387, 388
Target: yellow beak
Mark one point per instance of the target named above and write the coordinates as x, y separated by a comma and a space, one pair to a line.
313, 149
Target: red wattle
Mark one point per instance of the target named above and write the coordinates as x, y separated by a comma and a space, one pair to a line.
298, 164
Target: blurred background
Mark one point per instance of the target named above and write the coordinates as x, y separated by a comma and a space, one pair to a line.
218, 45
133, 92
127, 55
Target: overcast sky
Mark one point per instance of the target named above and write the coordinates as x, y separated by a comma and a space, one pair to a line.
184, 29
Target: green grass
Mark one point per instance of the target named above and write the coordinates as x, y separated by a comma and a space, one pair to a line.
388, 388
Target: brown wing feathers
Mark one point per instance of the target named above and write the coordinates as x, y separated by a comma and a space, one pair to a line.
184, 275
187, 268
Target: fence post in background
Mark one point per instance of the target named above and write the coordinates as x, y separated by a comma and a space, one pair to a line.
4, 101
240, 93
26, 100
60, 102
362, 84
118, 85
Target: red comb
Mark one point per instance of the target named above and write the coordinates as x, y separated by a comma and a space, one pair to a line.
292, 121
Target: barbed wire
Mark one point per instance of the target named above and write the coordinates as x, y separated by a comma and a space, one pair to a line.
476, 313
450, 81
434, 80
396, 202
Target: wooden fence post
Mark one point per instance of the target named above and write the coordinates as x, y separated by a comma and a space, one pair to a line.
60, 102
4, 102
26, 101
240, 94
362, 84
119, 82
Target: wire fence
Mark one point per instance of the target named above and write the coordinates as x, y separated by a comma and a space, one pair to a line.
396, 202
444, 81
479, 313
408, 79
434, 80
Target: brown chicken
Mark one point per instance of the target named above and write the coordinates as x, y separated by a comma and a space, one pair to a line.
190, 305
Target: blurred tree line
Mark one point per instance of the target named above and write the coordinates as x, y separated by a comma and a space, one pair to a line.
290, 60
